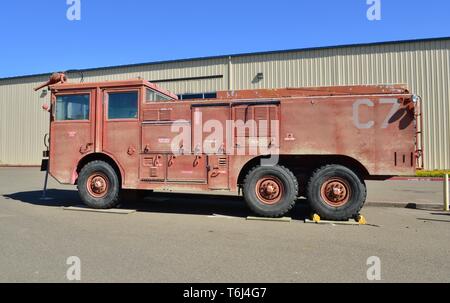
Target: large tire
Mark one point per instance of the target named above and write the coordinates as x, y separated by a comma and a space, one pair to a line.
98, 185
336, 193
270, 191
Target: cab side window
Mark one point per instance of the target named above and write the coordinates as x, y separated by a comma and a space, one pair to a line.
72, 107
123, 105
153, 96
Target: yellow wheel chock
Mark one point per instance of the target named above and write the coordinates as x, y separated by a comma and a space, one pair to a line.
315, 218
359, 220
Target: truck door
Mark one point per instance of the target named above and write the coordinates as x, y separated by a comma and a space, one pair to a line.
210, 134
71, 131
121, 130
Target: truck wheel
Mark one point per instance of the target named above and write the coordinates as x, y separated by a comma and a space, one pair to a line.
336, 193
270, 191
98, 185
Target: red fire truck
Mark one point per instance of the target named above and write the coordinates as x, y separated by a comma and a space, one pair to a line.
272, 145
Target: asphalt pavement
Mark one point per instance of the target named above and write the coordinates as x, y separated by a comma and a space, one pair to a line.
204, 238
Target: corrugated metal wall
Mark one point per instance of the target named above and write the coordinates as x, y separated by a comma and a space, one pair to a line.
171, 70
23, 123
423, 65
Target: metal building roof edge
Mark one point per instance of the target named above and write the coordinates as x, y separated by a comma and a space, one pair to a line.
233, 55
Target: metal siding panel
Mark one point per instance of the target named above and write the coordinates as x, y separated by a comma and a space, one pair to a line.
23, 123
166, 71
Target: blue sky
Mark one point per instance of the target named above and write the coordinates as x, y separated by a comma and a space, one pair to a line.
37, 37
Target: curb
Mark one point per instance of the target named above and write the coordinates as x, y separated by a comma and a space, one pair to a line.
408, 205
417, 179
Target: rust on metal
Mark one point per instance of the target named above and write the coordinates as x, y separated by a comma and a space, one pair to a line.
97, 185
315, 91
371, 129
269, 190
336, 192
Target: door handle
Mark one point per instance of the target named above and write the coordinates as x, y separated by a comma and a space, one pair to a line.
215, 173
221, 150
197, 149
156, 163
131, 150
181, 151
197, 160
171, 160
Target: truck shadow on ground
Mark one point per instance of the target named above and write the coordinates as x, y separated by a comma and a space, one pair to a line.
170, 203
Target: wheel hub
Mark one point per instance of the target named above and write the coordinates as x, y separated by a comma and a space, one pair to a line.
269, 190
97, 185
336, 192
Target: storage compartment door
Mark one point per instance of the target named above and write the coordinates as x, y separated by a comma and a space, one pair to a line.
186, 168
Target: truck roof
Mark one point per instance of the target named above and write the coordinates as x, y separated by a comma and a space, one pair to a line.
396, 89
112, 84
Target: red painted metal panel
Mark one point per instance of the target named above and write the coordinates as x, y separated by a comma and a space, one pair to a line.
218, 174
374, 125
153, 168
187, 168
70, 140
121, 140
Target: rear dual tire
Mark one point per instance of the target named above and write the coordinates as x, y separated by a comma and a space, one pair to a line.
336, 193
270, 191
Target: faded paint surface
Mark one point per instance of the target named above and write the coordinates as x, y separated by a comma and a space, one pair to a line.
374, 125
